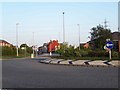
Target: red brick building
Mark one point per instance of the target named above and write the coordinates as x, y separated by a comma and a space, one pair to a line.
5, 43
53, 45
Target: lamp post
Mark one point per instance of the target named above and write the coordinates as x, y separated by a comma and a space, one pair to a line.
79, 34
63, 33
118, 40
33, 45
17, 38
63, 29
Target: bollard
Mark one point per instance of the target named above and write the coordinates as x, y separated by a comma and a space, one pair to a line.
58, 62
70, 62
86, 63
32, 55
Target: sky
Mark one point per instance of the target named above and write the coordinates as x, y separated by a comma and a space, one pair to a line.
40, 22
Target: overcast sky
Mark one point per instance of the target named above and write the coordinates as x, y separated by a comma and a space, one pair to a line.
45, 19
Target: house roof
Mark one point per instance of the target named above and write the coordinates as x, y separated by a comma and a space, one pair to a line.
5, 42
116, 36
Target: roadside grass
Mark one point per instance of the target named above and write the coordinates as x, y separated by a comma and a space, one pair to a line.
14, 56
84, 58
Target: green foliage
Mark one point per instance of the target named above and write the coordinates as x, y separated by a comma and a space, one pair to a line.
83, 52
97, 53
8, 50
28, 49
11, 51
119, 54
77, 53
60, 51
115, 54
99, 35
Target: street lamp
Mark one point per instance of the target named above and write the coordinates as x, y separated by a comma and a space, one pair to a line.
63, 29
63, 33
33, 45
79, 34
118, 40
17, 37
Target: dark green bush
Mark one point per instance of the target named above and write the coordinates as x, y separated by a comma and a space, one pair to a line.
8, 50
119, 54
115, 54
97, 53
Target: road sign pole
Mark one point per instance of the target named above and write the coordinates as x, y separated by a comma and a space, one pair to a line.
110, 56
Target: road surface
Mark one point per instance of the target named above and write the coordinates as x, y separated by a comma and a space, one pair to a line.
29, 73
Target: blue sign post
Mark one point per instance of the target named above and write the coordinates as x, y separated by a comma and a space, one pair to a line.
109, 45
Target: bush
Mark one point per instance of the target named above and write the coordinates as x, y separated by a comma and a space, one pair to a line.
69, 52
77, 53
119, 54
8, 51
84, 53
115, 54
97, 53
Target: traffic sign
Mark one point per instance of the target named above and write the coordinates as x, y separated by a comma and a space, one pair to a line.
109, 44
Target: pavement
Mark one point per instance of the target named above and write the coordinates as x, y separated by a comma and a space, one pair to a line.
114, 63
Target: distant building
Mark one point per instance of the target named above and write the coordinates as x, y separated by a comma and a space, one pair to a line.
5, 43
116, 41
86, 45
53, 45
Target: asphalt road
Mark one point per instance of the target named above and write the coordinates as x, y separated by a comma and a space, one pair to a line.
29, 73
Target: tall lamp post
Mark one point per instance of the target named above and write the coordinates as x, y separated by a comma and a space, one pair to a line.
33, 45
63, 33
79, 34
118, 40
63, 29
17, 37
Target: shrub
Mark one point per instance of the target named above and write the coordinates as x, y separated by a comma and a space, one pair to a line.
115, 54
98, 53
8, 50
119, 54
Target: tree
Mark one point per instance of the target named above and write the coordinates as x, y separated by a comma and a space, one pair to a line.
28, 49
99, 35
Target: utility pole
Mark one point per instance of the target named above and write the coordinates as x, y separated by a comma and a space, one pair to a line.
105, 24
59, 36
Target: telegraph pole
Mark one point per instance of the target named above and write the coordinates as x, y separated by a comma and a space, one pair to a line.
105, 24
59, 36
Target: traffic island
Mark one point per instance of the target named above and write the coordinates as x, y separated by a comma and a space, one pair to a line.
86, 63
